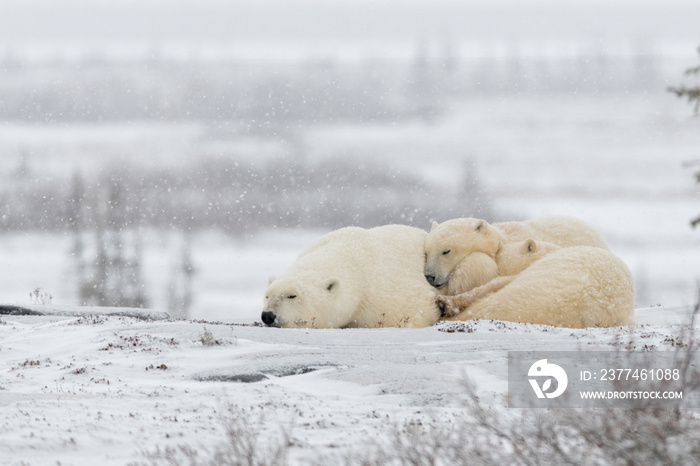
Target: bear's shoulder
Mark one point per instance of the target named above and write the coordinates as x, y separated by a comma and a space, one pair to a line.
397, 232
572, 261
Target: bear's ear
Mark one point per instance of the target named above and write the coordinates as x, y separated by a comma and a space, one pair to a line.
481, 226
332, 284
433, 226
271, 279
529, 246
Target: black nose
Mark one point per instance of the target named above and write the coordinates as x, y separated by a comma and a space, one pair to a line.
268, 317
431, 279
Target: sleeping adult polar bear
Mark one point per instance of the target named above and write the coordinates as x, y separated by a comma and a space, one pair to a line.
355, 277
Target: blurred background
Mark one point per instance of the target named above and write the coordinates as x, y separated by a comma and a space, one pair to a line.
173, 154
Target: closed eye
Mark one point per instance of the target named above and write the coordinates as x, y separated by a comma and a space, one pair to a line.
291, 296
446, 251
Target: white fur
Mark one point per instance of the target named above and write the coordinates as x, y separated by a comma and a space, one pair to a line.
560, 230
375, 278
566, 287
461, 253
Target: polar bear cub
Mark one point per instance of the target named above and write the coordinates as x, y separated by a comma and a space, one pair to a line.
460, 253
542, 283
355, 277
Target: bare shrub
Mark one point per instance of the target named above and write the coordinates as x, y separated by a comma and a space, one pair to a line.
649, 435
492, 435
207, 338
245, 445
488, 434
41, 297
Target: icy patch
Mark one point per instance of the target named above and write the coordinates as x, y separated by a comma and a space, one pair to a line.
81, 311
264, 374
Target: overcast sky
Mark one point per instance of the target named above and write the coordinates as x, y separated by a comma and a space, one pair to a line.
280, 27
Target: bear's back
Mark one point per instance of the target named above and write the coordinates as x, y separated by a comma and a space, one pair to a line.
577, 259
395, 286
396, 253
560, 230
586, 278
383, 256
577, 287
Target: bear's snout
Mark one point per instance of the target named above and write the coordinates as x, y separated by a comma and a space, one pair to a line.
431, 279
268, 318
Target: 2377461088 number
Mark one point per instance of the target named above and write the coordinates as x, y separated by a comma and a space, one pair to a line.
640, 374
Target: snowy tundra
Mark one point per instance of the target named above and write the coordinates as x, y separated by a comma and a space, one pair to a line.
115, 390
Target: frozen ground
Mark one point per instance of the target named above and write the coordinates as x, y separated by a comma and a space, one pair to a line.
116, 390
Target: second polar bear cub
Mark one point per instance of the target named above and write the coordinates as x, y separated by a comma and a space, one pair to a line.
460, 253
541, 283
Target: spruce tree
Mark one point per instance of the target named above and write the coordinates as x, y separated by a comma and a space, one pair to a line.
692, 93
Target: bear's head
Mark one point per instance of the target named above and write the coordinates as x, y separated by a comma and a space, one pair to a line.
460, 255
515, 257
312, 302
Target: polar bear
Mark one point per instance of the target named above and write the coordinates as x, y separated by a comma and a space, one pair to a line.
355, 277
460, 253
542, 283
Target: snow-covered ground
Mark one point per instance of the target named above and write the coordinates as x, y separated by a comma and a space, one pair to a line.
116, 390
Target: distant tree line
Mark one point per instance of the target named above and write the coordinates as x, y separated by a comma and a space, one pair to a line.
268, 95
240, 197
106, 254
105, 215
